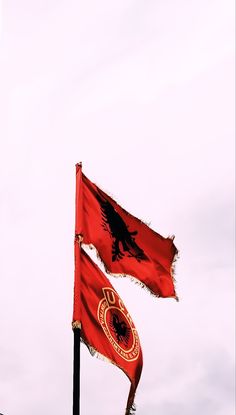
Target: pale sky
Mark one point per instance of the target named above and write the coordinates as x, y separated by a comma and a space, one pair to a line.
143, 93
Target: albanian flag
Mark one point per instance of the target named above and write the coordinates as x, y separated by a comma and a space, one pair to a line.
106, 326
126, 245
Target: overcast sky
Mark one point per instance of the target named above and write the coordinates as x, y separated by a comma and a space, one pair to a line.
141, 91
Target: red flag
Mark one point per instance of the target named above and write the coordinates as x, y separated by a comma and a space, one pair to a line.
106, 326
125, 244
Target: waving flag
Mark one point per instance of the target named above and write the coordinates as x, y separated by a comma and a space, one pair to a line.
126, 245
106, 326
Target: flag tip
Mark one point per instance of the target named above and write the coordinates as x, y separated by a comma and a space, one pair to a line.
79, 164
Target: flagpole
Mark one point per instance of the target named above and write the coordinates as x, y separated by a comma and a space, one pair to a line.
76, 374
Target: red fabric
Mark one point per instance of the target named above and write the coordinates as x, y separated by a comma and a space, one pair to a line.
125, 244
106, 325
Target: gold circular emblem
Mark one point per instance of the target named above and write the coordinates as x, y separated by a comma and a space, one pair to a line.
118, 325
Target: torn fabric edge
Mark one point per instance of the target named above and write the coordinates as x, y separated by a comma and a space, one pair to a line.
131, 407
134, 279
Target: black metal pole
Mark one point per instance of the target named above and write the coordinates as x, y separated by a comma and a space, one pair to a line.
76, 375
